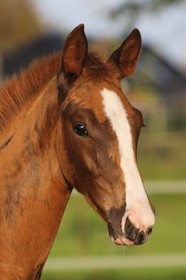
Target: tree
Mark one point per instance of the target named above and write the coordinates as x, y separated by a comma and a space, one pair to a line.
130, 11
18, 23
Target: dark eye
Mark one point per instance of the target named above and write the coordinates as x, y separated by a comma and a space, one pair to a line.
80, 129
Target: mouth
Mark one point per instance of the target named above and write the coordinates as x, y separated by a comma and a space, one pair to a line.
118, 237
122, 241
130, 236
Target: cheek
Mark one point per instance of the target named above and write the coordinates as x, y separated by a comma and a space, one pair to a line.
111, 182
89, 160
82, 154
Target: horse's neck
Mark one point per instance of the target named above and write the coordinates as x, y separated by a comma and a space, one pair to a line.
33, 192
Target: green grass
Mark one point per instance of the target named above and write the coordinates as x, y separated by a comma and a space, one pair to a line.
83, 233
170, 273
162, 165
162, 156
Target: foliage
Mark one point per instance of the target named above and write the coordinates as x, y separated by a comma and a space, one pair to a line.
131, 10
18, 23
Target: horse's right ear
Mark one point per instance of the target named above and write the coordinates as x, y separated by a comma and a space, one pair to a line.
75, 52
126, 56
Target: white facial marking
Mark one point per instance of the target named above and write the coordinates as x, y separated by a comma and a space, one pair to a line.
137, 204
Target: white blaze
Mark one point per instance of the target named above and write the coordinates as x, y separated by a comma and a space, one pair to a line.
137, 203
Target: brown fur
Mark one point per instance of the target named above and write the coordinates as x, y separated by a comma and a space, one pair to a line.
42, 159
21, 89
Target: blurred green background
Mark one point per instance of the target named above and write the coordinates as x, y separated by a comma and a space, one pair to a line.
82, 249
82, 241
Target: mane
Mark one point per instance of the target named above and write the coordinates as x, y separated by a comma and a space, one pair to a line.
22, 88
98, 70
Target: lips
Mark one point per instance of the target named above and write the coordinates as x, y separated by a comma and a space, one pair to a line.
123, 241
118, 237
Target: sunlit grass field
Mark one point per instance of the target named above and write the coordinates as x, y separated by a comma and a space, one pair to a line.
121, 274
83, 233
162, 156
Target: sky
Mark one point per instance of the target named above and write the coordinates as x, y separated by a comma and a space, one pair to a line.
165, 31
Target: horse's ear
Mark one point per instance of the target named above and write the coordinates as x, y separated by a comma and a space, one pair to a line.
75, 52
126, 56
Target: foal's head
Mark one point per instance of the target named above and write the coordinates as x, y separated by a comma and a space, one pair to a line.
100, 131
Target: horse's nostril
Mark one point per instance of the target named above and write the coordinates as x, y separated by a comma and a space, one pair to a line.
140, 238
149, 230
135, 234
130, 230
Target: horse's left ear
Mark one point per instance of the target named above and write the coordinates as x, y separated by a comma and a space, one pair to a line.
75, 51
126, 56
73, 59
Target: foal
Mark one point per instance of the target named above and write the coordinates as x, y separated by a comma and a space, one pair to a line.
65, 123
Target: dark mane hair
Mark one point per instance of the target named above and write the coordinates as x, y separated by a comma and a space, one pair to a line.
21, 88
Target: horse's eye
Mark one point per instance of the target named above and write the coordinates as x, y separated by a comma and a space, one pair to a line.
80, 129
